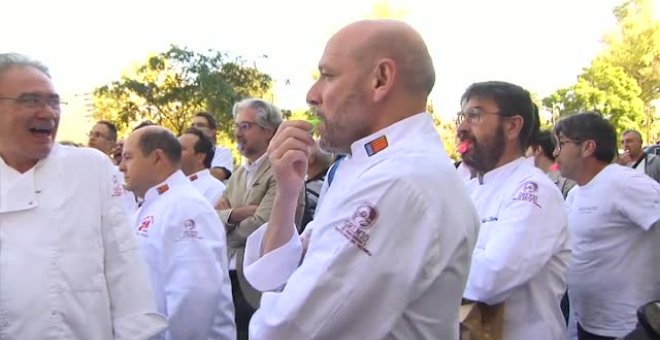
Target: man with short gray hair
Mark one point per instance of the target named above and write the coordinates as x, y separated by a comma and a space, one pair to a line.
247, 201
634, 157
69, 264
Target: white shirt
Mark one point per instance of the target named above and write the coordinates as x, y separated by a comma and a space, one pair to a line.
251, 169
69, 265
522, 253
208, 185
616, 261
184, 244
223, 158
389, 250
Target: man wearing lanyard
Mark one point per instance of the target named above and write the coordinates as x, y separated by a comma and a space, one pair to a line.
69, 265
522, 253
181, 239
387, 254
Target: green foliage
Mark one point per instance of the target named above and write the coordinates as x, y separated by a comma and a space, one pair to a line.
169, 88
624, 80
605, 88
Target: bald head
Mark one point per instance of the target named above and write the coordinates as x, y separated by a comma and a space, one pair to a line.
154, 137
370, 41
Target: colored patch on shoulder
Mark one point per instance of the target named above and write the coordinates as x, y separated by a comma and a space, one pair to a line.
377, 145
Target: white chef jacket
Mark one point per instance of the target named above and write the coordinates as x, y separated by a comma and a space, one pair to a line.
615, 267
223, 158
208, 185
70, 267
184, 244
128, 197
389, 250
522, 253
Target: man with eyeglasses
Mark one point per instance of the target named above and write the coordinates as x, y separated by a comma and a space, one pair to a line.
522, 251
70, 267
614, 221
222, 164
247, 201
103, 137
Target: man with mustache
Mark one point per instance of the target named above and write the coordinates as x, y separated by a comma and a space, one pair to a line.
247, 201
70, 267
386, 255
522, 252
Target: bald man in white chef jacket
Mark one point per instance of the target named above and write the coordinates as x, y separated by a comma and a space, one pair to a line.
182, 239
390, 244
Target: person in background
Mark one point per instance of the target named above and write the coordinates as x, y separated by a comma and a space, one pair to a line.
222, 164
197, 151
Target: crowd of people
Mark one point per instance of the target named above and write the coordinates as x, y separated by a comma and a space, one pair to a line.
369, 231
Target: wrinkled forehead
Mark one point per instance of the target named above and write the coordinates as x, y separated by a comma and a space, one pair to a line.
18, 80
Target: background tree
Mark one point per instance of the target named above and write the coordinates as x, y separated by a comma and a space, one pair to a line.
605, 88
623, 82
171, 86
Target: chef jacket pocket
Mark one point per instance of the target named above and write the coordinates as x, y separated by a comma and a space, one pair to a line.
82, 272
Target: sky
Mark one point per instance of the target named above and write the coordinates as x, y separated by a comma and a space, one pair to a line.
541, 45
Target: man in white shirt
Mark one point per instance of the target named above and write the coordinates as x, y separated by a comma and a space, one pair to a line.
222, 164
522, 253
196, 153
387, 254
614, 220
181, 239
69, 265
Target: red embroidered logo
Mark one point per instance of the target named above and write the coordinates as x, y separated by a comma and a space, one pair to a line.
354, 229
528, 192
162, 189
143, 228
193, 178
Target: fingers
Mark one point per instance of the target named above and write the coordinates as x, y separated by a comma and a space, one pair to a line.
291, 135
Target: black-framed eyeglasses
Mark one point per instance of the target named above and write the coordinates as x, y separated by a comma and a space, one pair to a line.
472, 116
242, 126
31, 101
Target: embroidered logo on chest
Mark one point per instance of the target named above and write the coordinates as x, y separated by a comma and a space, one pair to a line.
144, 226
528, 192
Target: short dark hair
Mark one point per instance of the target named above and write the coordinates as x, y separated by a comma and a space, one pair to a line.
163, 140
512, 100
209, 119
590, 125
111, 127
546, 142
203, 145
634, 132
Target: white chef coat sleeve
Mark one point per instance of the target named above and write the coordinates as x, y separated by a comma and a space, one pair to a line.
362, 267
640, 201
131, 298
528, 232
271, 271
223, 159
193, 270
